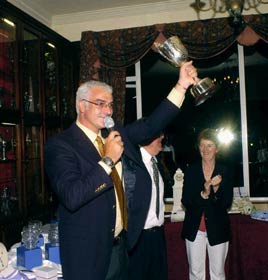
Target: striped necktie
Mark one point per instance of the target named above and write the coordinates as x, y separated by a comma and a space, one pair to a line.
156, 181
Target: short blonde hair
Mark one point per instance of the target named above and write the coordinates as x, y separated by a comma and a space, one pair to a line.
208, 134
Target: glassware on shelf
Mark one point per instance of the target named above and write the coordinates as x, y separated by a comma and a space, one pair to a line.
51, 106
13, 145
7, 146
53, 234
36, 225
28, 99
28, 140
28, 145
64, 107
30, 237
3, 146
5, 207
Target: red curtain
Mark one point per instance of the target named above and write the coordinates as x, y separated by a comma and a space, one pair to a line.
106, 55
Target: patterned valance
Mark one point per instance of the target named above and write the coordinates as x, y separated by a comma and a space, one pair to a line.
105, 55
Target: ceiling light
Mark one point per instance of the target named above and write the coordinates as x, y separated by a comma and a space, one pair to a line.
8, 22
51, 45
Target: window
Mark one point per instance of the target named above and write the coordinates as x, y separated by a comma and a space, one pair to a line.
241, 105
256, 76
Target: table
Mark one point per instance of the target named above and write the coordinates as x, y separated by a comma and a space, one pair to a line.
248, 252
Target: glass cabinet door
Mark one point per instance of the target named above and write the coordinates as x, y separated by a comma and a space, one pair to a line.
36, 102
30, 72
51, 83
7, 64
32, 168
8, 171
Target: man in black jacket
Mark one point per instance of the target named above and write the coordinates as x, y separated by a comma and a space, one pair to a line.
91, 228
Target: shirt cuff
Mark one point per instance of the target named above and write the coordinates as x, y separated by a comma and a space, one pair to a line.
176, 97
107, 169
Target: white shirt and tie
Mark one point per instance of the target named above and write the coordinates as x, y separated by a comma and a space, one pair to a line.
152, 220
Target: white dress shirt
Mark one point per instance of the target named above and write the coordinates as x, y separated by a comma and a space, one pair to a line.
152, 220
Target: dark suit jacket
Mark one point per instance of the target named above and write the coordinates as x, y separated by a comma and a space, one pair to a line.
86, 194
215, 208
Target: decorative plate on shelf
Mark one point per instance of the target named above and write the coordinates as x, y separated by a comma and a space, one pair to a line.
3, 257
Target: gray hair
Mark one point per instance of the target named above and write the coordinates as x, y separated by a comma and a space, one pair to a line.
84, 91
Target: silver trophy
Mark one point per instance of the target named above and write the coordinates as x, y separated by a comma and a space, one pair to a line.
3, 145
174, 51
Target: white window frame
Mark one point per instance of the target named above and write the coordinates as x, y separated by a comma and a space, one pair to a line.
135, 82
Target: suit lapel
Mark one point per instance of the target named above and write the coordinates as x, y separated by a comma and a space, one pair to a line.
82, 144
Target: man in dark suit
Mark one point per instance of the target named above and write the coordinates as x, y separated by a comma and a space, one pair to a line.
92, 221
148, 260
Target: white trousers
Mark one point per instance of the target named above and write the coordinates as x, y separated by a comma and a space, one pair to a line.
196, 254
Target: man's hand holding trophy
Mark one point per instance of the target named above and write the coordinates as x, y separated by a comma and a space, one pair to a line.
175, 52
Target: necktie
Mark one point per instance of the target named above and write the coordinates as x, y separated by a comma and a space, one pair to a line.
156, 181
118, 187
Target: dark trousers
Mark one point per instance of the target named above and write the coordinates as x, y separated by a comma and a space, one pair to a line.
118, 268
148, 259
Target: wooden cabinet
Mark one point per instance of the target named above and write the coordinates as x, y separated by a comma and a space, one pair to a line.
36, 102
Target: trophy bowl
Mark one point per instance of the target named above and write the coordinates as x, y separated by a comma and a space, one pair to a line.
175, 52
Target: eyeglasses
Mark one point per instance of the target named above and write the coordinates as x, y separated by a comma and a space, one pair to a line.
101, 104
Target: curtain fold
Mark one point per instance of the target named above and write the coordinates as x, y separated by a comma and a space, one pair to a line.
259, 24
203, 39
115, 50
106, 55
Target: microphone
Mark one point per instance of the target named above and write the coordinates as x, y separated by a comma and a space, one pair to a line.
109, 123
